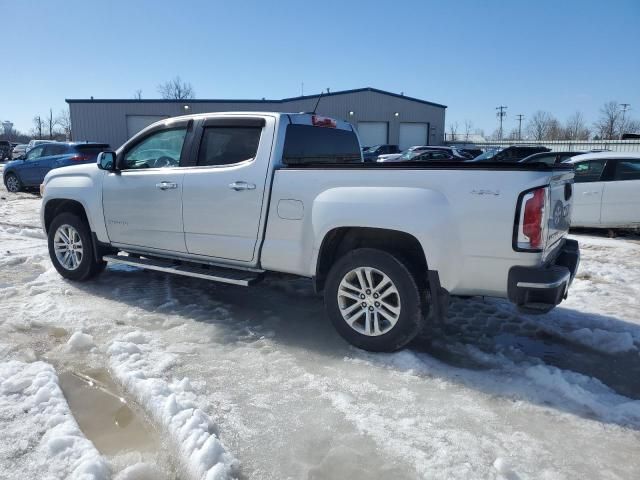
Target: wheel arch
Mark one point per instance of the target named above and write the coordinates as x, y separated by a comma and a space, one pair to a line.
56, 206
338, 241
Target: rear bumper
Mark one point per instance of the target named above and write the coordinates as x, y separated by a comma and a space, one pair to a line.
539, 289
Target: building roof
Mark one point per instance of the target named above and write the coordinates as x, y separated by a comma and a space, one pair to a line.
284, 100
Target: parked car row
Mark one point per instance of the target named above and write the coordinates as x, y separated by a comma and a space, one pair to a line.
607, 191
30, 169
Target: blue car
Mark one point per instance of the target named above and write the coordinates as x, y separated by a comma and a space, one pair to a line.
31, 168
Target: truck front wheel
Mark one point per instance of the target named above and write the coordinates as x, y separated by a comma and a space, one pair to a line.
71, 248
374, 301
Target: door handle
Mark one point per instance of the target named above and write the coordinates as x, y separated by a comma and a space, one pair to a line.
237, 186
166, 185
590, 193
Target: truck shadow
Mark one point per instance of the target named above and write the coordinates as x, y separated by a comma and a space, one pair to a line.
481, 343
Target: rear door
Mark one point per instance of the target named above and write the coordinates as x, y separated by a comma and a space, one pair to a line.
142, 202
621, 195
587, 196
224, 190
52, 157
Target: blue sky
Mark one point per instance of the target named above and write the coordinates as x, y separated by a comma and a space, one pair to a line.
559, 56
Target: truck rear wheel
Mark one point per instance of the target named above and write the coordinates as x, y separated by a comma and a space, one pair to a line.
374, 301
71, 248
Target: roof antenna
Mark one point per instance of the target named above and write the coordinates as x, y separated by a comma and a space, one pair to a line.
316, 107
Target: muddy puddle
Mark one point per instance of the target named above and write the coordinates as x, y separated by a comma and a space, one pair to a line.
104, 416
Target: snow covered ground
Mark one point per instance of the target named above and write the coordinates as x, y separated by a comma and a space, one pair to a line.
256, 384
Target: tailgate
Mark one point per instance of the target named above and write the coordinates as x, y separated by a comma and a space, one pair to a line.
559, 214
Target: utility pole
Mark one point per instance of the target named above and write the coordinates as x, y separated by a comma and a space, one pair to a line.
625, 107
501, 114
520, 117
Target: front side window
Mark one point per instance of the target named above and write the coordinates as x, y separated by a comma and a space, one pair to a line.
439, 156
228, 145
158, 150
627, 170
589, 171
35, 153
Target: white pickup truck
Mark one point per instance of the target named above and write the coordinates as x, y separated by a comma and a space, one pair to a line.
232, 196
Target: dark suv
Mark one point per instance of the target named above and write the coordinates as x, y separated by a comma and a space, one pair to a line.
371, 153
5, 150
514, 153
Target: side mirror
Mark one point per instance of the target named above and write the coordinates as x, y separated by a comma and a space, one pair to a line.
107, 160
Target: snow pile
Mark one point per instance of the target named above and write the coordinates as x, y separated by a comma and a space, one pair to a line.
585, 393
603, 340
80, 341
40, 438
139, 362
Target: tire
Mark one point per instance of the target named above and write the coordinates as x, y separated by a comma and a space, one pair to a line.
12, 182
394, 317
83, 265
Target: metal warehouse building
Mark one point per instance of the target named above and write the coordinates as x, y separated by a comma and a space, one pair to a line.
380, 117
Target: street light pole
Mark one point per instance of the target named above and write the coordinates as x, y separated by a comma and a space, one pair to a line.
625, 107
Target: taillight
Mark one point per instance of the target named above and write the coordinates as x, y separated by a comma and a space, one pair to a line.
318, 121
80, 158
532, 219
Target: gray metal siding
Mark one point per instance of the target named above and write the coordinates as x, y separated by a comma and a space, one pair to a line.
105, 121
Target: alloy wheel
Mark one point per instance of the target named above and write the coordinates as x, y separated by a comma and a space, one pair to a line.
369, 301
68, 247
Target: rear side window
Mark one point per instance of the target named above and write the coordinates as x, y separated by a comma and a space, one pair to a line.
228, 145
627, 170
590, 171
308, 144
54, 149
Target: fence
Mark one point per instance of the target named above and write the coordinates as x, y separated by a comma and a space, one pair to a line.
559, 145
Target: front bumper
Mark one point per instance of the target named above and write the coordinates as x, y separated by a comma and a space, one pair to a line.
539, 289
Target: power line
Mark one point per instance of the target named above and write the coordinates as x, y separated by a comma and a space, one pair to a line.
501, 114
520, 117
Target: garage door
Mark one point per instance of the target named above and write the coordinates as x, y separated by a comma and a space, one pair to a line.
413, 134
372, 133
135, 123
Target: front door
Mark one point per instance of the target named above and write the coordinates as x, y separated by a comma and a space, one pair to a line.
29, 170
143, 201
621, 196
223, 206
587, 193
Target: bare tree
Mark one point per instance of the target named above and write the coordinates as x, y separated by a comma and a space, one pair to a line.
64, 121
50, 124
38, 126
453, 131
608, 124
541, 125
576, 128
632, 126
176, 89
468, 125
556, 132
138, 94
